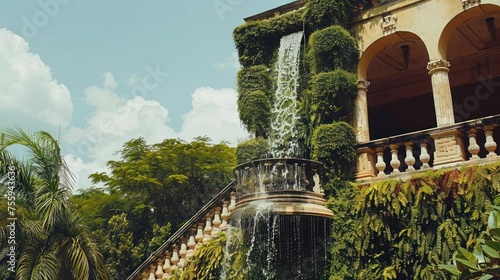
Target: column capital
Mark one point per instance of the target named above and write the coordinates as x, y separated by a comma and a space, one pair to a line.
438, 65
363, 84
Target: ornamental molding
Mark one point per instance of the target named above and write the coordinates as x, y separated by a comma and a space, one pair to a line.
467, 4
389, 24
438, 65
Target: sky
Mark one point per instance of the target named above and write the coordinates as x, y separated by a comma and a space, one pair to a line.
97, 73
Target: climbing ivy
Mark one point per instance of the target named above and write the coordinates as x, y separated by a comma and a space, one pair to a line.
255, 112
331, 97
403, 230
333, 144
255, 78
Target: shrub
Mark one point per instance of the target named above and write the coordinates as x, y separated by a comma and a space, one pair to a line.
255, 112
252, 149
332, 48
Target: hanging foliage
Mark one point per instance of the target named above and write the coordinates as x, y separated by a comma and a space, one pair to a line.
255, 78
403, 230
333, 144
255, 112
331, 97
256, 40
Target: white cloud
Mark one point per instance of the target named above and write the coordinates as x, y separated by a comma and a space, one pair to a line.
109, 81
117, 120
214, 114
230, 61
28, 91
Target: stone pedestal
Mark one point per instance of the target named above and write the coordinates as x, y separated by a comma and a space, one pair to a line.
449, 148
365, 167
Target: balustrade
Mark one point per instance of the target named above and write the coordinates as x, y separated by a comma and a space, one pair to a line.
203, 227
466, 143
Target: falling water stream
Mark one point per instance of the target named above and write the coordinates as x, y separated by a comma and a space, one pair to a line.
280, 227
283, 137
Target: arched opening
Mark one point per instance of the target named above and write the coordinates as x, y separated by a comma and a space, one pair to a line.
472, 46
471, 43
400, 93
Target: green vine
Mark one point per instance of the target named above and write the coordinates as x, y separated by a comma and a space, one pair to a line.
402, 230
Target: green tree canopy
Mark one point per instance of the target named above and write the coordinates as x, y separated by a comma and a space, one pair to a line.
51, 241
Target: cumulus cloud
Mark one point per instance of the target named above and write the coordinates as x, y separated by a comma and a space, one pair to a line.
214, 114
109, 81
27, 89
117, 120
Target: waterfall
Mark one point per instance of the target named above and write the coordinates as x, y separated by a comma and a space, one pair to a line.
279, 229
283, 140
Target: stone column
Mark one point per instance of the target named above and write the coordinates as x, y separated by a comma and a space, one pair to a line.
360, 114
449, 148
365, 157
443, 104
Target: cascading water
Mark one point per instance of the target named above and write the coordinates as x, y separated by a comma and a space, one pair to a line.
283, 137
280, 226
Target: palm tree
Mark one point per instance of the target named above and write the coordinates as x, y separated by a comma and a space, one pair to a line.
52, 241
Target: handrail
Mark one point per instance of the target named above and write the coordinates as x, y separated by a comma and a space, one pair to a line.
422, 134
182, 230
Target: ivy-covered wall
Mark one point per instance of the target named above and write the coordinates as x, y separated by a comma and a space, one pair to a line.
403, 230
328, 60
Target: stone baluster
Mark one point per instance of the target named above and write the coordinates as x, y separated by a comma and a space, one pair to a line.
208, 229
424, 155
152, 273
182, 254
216, 223
225, 215
166, 267
191, 245
380, 165
199, 235
174, 259
409, 159
232, 204
473, 146
490, 144
159, 270
395, 163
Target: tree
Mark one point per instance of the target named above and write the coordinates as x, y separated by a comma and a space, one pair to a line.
51, 240
156, 187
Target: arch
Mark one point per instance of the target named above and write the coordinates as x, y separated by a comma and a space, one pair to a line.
399, 97
381, 44
471, 43
481, 11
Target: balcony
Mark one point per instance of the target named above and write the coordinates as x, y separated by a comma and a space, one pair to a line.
462, 144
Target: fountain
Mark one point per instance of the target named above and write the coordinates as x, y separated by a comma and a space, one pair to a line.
280, 224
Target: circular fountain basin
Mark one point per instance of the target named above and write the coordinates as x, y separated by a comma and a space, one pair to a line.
288, 186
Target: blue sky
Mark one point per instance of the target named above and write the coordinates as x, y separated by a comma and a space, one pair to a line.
100, 72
